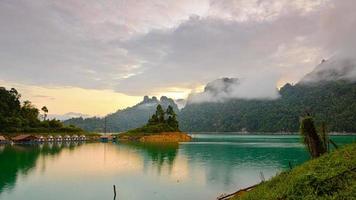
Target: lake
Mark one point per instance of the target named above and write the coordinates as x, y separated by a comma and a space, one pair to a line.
208, 166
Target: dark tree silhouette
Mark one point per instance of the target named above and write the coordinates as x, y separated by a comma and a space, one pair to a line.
45, 112
160, 113
311, 139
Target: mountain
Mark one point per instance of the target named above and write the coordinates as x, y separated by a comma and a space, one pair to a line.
332, 102
122, 120
67, 116
180, 103
333, 69
328, 93
216, 91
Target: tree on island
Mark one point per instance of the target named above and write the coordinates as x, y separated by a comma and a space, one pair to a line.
165, 118
172, 118
160, 114
160, 121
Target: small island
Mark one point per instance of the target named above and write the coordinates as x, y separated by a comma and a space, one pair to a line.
161, 127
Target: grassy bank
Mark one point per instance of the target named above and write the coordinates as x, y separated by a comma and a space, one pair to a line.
332, 176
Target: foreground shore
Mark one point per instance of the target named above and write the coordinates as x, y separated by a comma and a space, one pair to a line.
156, 137
332, 176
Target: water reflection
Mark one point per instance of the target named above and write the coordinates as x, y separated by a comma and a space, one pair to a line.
18, 160
155, 154
227, 165
201, 169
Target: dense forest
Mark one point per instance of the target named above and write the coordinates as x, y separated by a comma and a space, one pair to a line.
330, 101
123, 120
18, 117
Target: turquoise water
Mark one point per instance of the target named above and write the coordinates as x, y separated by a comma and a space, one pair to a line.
202, 169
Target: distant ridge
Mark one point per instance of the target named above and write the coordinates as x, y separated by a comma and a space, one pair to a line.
122, 120
328, 93
333, 102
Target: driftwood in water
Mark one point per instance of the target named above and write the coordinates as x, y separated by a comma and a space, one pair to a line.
240, 192
114, 187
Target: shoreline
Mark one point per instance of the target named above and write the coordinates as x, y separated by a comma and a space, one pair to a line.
325, 171
163, 137
268, 133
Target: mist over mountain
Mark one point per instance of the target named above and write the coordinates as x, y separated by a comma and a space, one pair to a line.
217, 90
328, 93
67, 116
333, 69
224, 89
332, 102
128, 118
180, 103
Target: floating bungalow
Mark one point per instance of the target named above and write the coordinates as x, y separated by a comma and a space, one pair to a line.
50, 138
67, 138
82, 138
75, 137
106, 138
2, 139
59, 138
26, 138
40, 138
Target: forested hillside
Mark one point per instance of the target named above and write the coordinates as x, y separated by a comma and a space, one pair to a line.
331, 101
16, 117
122, 120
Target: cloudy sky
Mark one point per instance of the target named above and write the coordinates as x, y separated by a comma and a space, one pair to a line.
95, 57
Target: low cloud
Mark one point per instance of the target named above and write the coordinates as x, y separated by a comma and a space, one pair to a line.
335, 68
67, 116
224, 89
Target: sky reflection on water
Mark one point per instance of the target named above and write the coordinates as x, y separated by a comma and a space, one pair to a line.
202, 169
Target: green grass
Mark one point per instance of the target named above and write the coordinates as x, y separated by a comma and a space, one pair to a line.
332, 176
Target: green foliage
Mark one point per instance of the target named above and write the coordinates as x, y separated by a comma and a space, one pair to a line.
330, 102
15, 117
160, 114
45, 112
156, 128
172, 118
313, 142
159, 124
331, 176
93, 124
153, 120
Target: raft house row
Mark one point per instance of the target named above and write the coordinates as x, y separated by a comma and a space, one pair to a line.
27, 138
